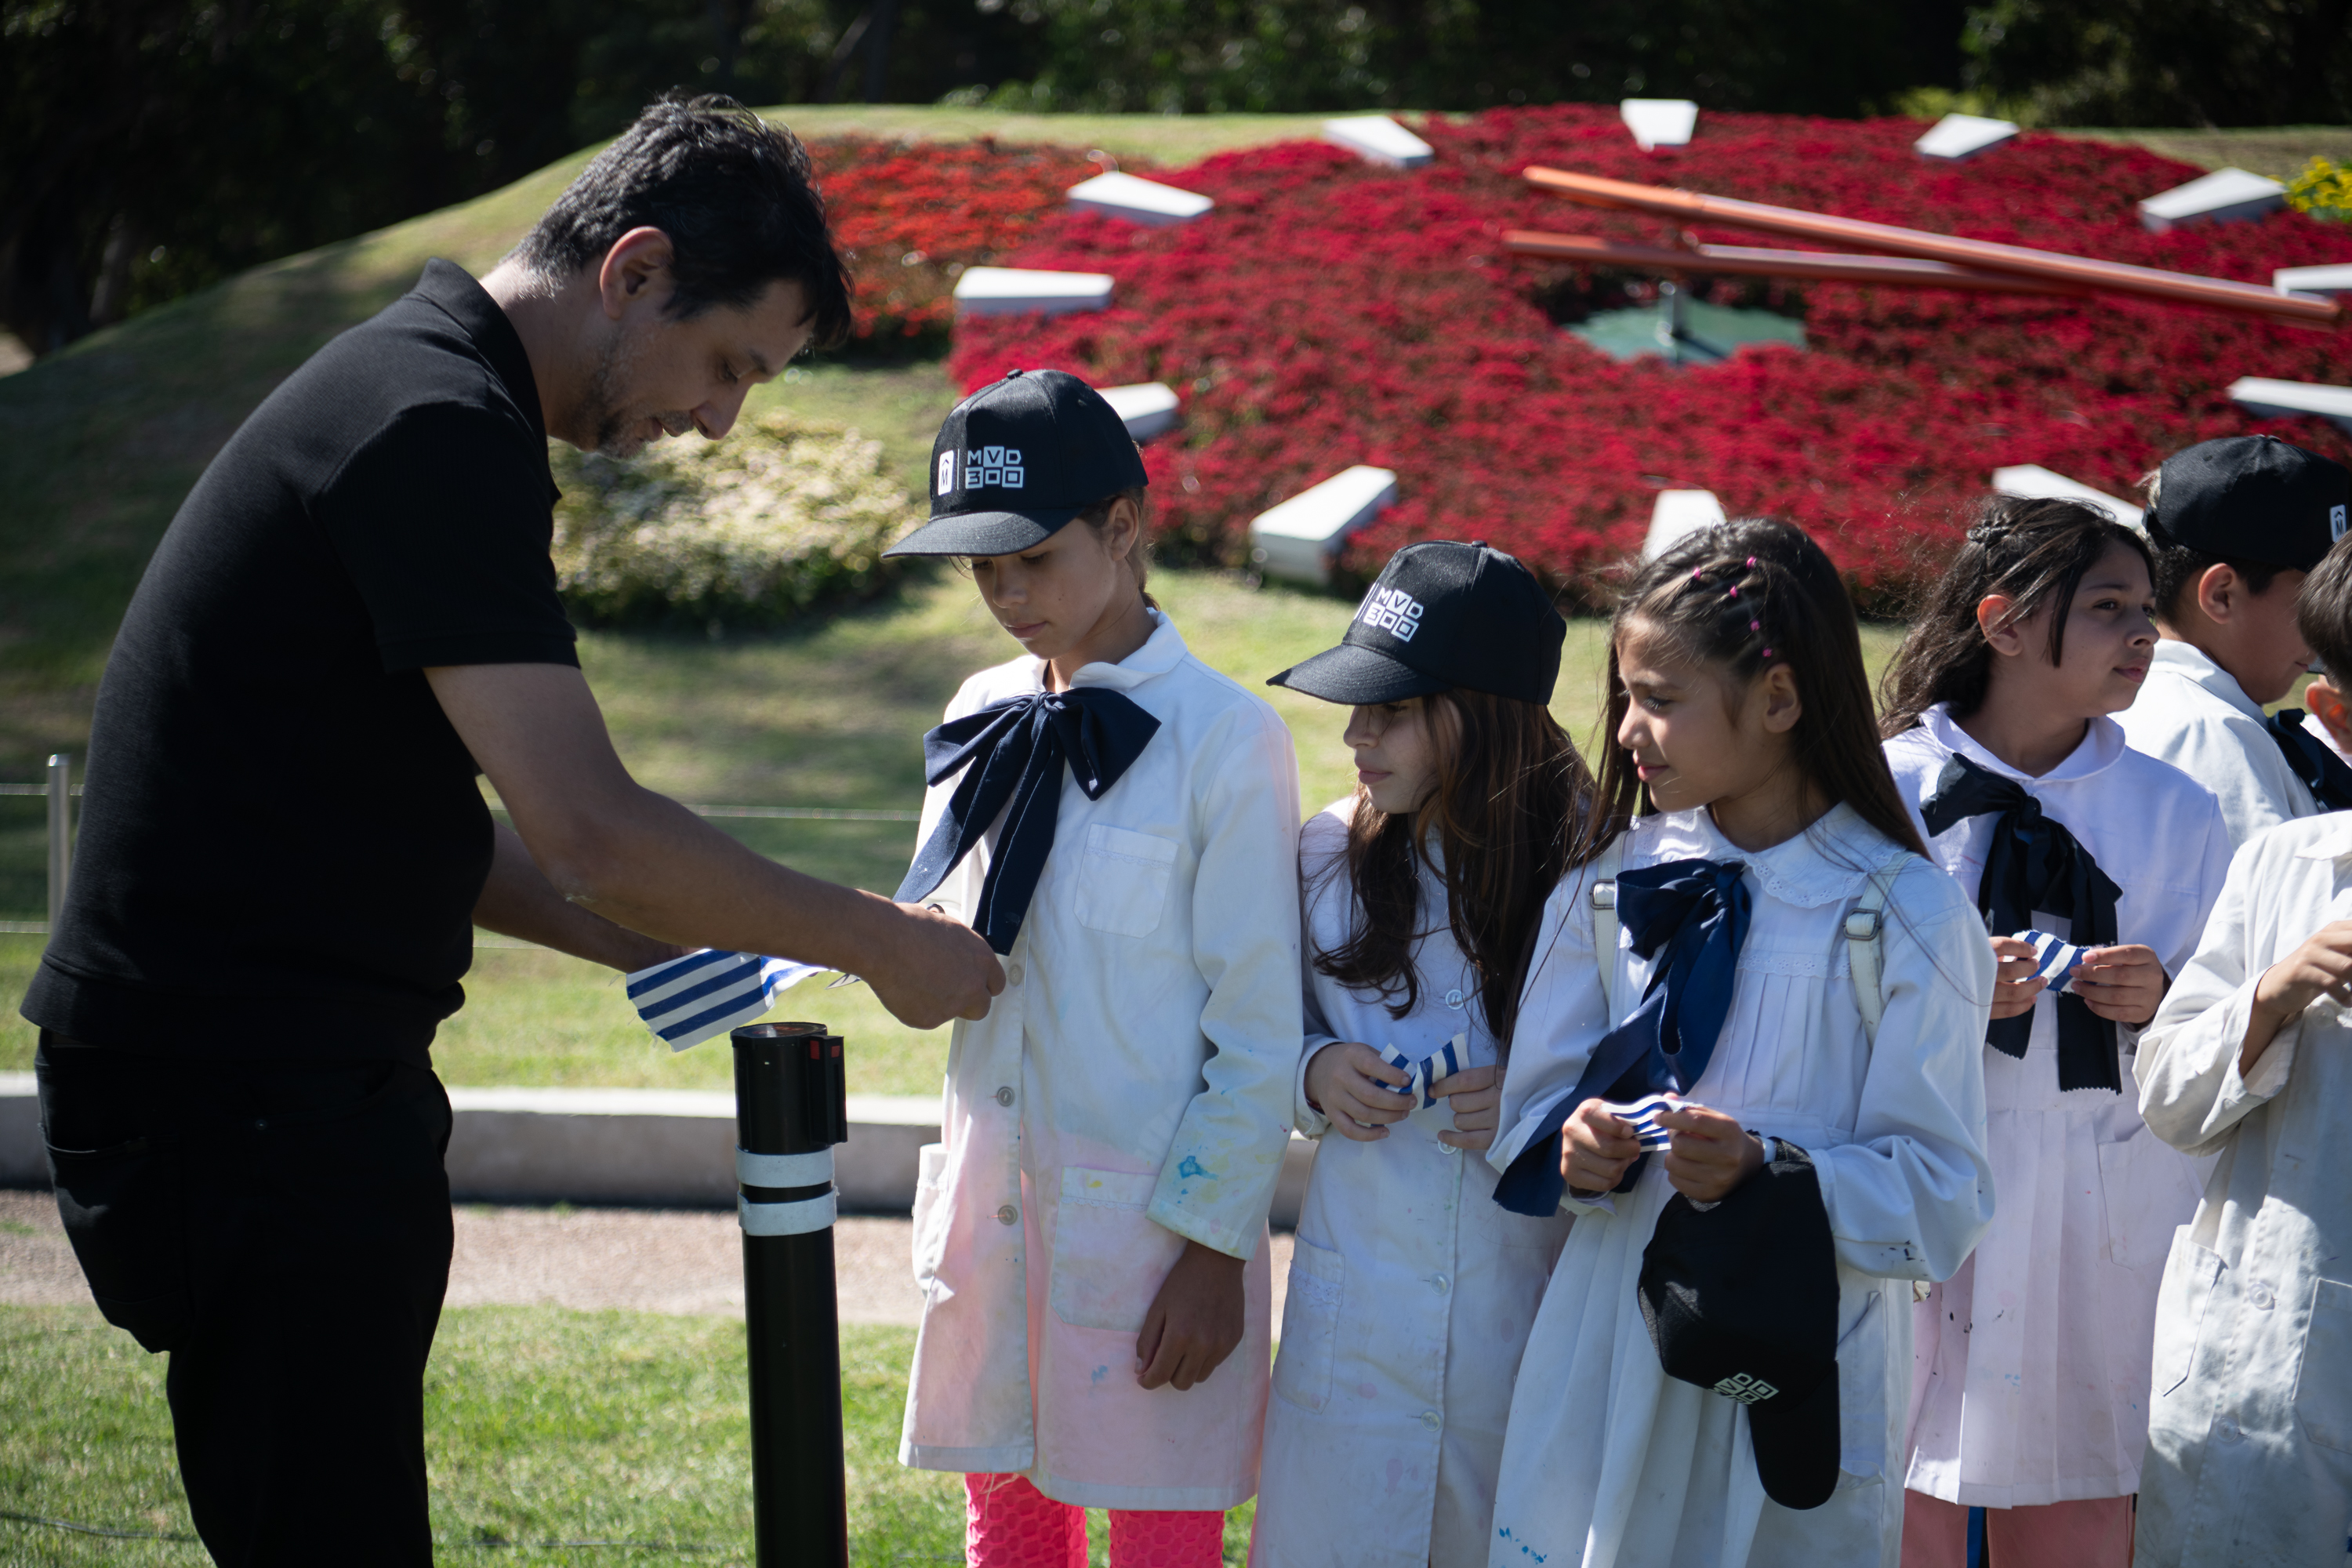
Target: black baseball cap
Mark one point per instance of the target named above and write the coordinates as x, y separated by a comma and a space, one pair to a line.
1742, 1299
1442, 615
2252, 497
1017, 461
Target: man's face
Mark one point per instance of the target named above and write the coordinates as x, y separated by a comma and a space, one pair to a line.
656, 375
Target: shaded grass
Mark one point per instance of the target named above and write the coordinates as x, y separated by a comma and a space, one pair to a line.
540, 1426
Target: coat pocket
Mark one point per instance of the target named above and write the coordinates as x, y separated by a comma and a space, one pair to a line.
2323, 1388
930, 1215
2190, 1276
1110, 1258
123, 1211
1310, 1324
1123, 880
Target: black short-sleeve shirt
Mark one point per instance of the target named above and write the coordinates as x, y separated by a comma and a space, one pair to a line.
281, 841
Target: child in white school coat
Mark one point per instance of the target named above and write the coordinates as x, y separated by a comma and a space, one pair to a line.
2232, 526
1411, 1292
2031, 1394
2249, 1061
1121, 821
1739, 704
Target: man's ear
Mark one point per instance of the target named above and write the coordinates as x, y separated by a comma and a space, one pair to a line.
635, 272
2324, 702
2219, 591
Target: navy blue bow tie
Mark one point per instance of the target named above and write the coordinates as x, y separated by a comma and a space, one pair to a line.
2032, 863
2320, 769
1015, 751
1697, 910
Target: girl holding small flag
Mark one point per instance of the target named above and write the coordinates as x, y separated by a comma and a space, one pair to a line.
1121, 822
2032, 1388
1411, 1291
1762, 939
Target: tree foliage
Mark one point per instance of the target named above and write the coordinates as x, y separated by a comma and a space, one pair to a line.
2165, 62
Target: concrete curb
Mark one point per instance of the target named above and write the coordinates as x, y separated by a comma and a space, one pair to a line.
649, 1148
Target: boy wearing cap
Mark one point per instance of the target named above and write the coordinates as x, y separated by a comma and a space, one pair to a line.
2234, 525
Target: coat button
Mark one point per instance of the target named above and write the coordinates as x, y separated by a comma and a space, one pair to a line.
1432, 1420
1441, 1282
2259, 1298
1013, 974
1004, 1095
1008, 1214
1453, 999
2227, 1430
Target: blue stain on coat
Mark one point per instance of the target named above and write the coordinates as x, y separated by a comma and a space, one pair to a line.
1192, 1167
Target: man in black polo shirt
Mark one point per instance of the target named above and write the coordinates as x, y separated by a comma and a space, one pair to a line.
238, 1006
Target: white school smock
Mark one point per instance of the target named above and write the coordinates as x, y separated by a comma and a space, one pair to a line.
2192, 713
1412, 1290
1609, 1463
2032, 1383
1130, 1089
2250, 1438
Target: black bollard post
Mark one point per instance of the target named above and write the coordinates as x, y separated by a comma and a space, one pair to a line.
791, 1108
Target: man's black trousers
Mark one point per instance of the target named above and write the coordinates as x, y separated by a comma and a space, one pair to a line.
283, 1231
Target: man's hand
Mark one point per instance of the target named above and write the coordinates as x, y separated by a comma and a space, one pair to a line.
2017, 987
2125, 984
1196, 1321
1351, 1084
1478, 1096
932, 969
1596, 1149
1711, 1154
2321, 966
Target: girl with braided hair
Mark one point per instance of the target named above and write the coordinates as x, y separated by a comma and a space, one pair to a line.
2029, 1396
1781, 957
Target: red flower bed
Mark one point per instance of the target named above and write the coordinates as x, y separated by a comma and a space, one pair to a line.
911, 217
1329, 312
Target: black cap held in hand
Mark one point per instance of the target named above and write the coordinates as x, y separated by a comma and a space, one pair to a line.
1016, 460
1742, 1298
1442, 614
2252, 497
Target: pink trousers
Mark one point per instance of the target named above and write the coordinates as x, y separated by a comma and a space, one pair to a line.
2093, 1533
1009, 1523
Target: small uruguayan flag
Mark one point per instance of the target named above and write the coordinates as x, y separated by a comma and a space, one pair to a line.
1643, 1114
688, 1000
1424, 1072
2053, 960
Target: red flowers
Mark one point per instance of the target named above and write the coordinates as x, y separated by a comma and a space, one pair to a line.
1329, 313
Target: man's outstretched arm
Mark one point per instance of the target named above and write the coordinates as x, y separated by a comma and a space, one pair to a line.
644, 861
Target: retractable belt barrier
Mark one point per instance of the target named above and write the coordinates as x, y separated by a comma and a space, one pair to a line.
791, 1108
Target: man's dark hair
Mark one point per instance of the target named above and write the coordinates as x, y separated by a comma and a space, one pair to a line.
733, 193
2323, 611
2173, 568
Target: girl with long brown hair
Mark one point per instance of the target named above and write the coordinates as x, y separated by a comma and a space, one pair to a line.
1411, 1291
1806, 993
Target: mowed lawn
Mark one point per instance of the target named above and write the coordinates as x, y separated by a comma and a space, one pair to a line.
551, 1437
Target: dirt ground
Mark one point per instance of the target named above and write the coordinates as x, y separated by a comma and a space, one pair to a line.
655, 1260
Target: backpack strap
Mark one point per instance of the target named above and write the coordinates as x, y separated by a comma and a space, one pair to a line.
1865, 951
1603, 899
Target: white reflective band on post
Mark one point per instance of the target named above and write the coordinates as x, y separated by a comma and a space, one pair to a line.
785, 1219
783, 1170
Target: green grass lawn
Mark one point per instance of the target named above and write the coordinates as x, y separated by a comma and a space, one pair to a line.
542, 1425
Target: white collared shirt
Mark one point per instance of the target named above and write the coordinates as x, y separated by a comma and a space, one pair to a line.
2193, 714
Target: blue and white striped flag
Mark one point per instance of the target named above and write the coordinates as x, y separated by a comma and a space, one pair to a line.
2054, 959
1424, 1072
688, 1000
1643, 1114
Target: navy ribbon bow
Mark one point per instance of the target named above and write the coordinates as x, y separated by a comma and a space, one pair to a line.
1697, 910
2312, 759
1015, 751
2030, 864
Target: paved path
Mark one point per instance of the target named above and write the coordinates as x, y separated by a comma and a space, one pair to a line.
655, 1260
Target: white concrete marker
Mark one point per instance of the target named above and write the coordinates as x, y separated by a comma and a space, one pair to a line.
2321, 281
1147, 409
1679, 513
1958, 136
1658, 122
1377, 139
1145, 201
2033, 482
2222, 196
1300, 539
2292, 399
1012, 290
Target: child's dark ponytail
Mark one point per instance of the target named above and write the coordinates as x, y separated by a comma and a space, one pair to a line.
1740, 598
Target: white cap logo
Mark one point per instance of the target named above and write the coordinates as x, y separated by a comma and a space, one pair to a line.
2336, 522
946, 474
1391, 610
993, 466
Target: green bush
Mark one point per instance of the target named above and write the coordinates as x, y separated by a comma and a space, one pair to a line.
2323, 190
750, 531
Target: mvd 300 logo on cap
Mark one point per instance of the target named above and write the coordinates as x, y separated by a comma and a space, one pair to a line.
1391, 610
1746, 1389
997, 465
